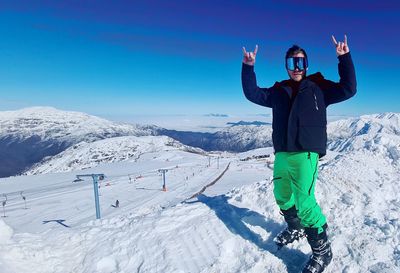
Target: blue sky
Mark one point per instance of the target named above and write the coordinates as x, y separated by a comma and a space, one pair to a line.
130, 58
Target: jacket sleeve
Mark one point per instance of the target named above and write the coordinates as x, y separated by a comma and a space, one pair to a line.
260, 96
346, 87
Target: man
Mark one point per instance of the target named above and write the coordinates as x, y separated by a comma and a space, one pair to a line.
299, 137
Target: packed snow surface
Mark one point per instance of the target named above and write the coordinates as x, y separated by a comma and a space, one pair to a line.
229, 227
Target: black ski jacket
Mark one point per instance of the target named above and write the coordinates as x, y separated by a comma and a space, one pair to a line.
300, 125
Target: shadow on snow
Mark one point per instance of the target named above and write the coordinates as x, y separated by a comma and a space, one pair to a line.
235, 219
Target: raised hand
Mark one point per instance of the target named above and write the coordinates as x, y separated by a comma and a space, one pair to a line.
249, 57
341, 47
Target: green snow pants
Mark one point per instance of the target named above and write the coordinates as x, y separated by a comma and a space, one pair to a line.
295, 174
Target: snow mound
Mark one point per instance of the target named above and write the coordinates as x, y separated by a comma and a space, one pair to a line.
6, 232
107, 265
379, 133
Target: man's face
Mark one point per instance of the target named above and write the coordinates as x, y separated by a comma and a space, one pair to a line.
297, 75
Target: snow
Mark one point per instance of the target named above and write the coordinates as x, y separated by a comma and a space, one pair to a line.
379, 133
227, 228
6, 232
52, 124
84, 155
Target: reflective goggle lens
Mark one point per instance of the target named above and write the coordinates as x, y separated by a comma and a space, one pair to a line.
296, 62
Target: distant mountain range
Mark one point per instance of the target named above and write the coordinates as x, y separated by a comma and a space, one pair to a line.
232, 139
44, 134
29, 135
217, 115
256, 123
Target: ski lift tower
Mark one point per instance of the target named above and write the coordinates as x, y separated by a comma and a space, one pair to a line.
96, 178
163, 171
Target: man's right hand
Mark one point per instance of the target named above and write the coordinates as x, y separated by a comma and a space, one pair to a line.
249, 58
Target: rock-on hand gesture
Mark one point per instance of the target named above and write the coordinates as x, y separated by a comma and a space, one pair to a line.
249, 57
341, 47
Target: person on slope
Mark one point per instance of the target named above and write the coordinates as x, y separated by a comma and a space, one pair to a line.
299, 137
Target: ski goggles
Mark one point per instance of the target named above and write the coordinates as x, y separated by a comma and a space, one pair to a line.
300, 63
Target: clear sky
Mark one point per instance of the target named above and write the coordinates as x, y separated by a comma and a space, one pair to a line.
130, 58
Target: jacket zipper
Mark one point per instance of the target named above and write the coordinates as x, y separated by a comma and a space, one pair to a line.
292, 106
315, 100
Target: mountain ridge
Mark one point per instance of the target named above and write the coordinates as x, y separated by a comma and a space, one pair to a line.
29, 135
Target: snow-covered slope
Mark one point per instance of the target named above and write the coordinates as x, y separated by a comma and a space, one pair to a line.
48, 123
228, 228
377, 134
238, 138
84, 155
28, 135
246, 137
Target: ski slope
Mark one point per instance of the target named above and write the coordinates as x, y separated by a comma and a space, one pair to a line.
228, 228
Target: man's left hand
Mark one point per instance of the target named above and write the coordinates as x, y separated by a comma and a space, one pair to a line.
341, 47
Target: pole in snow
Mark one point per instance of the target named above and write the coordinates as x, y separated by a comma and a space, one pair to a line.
96, 178
163, 171
96, 195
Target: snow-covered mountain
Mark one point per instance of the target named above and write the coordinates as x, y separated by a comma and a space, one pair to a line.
255, 122
29, 135
85, 155
368, 131
228, 228
378, 134
48, 123
238, 138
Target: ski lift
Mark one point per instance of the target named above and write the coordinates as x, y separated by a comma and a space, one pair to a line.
96, 178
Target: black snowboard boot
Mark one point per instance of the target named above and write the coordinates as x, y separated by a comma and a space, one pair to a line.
321, 250
294, 230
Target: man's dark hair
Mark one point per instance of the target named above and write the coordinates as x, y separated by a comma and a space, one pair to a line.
294, 50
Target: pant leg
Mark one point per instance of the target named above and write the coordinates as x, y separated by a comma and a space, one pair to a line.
303, 171
282, 184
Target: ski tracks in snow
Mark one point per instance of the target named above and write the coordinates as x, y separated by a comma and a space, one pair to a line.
188, 237
226, 233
